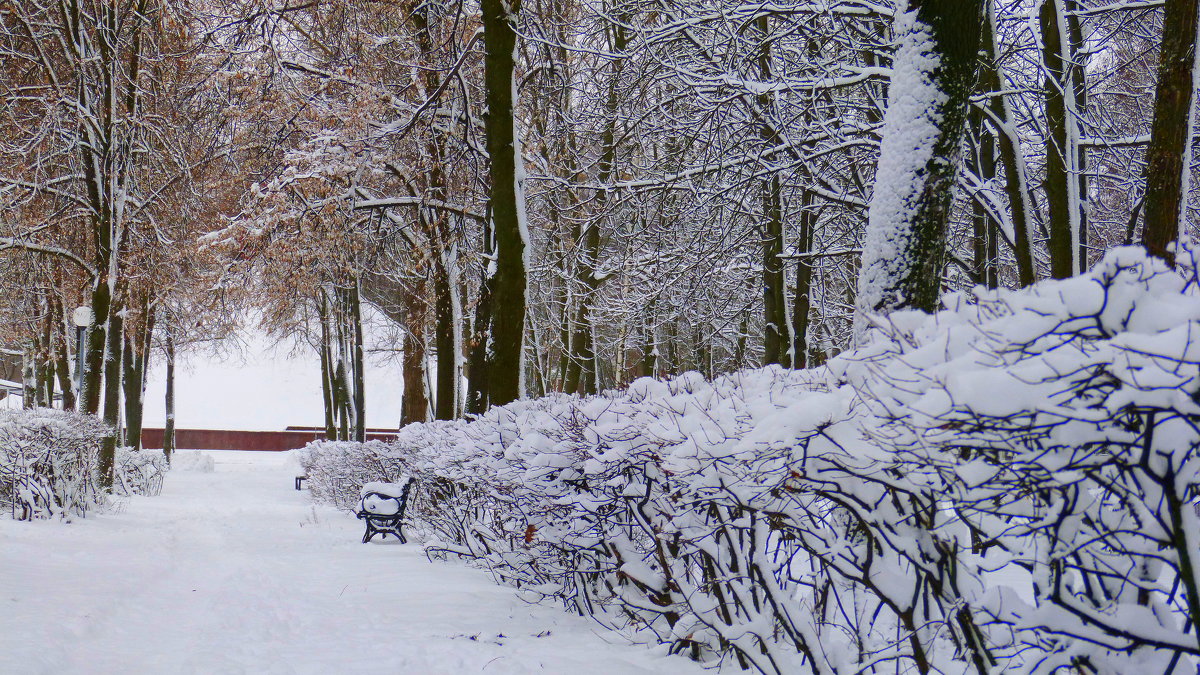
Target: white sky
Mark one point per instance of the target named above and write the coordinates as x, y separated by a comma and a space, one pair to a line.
264, 390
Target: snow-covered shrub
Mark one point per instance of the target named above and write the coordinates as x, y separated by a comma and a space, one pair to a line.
139, 472
1004, 486
1055, 433
49, 463
337, 470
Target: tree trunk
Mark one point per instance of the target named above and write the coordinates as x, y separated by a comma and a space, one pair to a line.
359, 363
414, 403
479, 359
506, 200
130, 384
112, 395
1078, 96
446, 396
905, 247
93, 370
983, 226
1016, 184
169, 402
649, 364
29, 378
137, 349
446, 338
1165, 202
582, 376
775, 326
802, 301
326, 355
62, 368
1062, 136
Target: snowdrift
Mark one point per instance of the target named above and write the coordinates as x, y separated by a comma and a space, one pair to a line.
1004, 486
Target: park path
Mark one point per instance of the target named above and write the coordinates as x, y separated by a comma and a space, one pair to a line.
233, 571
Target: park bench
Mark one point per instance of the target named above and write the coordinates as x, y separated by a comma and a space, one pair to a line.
382, 505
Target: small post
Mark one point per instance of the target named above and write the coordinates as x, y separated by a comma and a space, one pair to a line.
82, 317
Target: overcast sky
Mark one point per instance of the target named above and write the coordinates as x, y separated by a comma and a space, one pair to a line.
264, 389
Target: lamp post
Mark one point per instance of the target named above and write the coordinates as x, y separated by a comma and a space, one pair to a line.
82, 318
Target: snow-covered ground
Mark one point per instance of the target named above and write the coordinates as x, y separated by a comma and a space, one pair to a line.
233, 571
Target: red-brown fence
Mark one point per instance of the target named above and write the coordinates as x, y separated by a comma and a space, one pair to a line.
226, 439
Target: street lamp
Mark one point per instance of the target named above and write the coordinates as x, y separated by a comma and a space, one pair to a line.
82, 317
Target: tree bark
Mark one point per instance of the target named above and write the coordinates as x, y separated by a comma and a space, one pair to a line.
479, 360
446, 396
93, 370
1165, 201
505, 200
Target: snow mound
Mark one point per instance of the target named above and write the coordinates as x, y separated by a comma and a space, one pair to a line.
192, 460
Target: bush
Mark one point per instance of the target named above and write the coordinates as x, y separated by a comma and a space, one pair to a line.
1003, 486
49, 462
337, 470
139, 472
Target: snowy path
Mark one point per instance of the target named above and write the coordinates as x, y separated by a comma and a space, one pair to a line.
235, 572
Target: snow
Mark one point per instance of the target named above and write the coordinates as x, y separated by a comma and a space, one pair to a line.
386, 489
233, 571
192, 460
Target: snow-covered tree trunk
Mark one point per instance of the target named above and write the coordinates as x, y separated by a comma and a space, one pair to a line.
937, 44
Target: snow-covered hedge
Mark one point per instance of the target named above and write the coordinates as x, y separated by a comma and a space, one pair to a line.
1005, 486
336, 470
140, 472
48, 463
